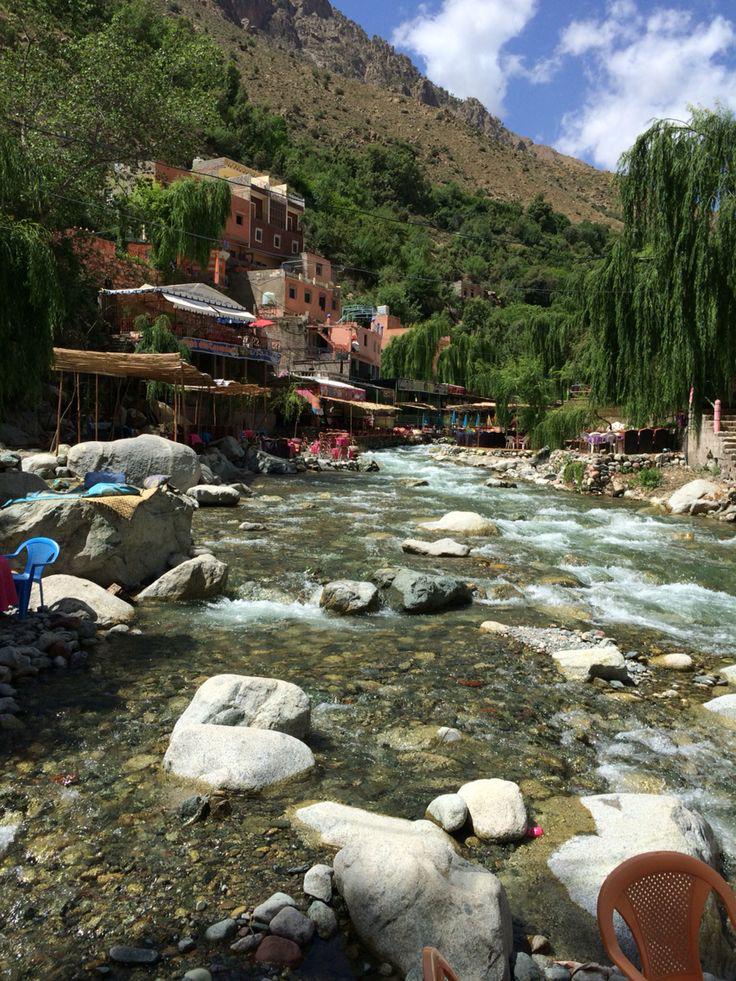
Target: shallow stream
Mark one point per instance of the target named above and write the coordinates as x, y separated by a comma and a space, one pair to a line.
103, 858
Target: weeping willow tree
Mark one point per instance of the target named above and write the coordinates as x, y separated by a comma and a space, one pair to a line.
157, 337
182, 220
662, 308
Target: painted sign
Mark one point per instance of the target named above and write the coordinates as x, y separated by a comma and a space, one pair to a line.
224, 350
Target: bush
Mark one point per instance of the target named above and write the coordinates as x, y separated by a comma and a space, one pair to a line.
648, 478
573, 472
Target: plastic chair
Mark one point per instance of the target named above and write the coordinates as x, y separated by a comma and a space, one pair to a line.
40, 552
435, 967
661, 896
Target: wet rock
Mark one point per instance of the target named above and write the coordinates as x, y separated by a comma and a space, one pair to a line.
122, 954
673, 662
723, 706
443, 548
501, 482
728, 674
422, 593
578, 664
449, 811
525, 969
323, 918
265, 911
8, 832
72, 595
198, 974
186, 944
348, 596
494, 627
278, 951
222, 930
243, 700
246, 944
194, 808
261, 462
462, 522
556, 972
213, 495
193, 579
446, 734
683, 499
138, 458
564, 579
251, 526
292, 925
496, 809
318, 882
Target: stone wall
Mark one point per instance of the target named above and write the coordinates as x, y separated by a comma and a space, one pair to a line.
704, 448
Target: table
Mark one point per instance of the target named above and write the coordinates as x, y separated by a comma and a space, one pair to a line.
8, 595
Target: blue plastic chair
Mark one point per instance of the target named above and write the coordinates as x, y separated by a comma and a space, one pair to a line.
40, 552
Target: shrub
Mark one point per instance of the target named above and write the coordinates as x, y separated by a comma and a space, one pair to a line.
648, 478
573, 472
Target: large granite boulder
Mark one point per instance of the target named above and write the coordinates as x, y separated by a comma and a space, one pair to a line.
214, 495
241, 700
43, 464
339, 824
463, 523
441, 549
197, 578
106, 543
496, 808
261, 462
682, 501
71, 595
138, 458
348, 596
19, 483
418, 592
723, 706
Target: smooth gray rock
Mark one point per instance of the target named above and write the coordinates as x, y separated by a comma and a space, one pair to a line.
525, 969
198, 974
265, 911
138, 458
582, 663
449, 811
261, 462
72, 595
418, 592
685, 497
19, 483
442, 548
222, 930
293, 925
122, 954
323, 918
42, 464
348, 596
496, 809
338, 824
193, 579
318, 882
723, 706
214, 495
462, 522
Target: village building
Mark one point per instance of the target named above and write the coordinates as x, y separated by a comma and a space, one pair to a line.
300, 287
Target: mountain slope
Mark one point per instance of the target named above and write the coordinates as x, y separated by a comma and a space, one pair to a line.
308, 62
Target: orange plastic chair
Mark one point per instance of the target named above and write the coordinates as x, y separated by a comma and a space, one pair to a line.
435, 967
661, 896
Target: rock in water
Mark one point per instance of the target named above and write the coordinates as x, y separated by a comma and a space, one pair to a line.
444, 548
581, 663
241, 700
724, 706
261, 462
71, 595
235, 757
350, 596
265, 911
449, 811
214, 495
496, 809
18, 483
194, 579
462, 522
683, 499
138, 458
338, 824
673, 662
323, 918
422, 593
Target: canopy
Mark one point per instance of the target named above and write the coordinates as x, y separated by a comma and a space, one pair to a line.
167, 368
374, 408
470, 407
195, 297
417, 405
232, 388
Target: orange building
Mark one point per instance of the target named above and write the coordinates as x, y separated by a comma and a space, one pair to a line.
302, 287
388, 326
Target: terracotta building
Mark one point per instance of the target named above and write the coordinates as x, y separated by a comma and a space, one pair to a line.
301, 287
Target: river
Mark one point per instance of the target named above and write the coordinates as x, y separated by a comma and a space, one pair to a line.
102, 856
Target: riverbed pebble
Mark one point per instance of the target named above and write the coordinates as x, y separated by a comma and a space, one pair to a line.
279, 951
293, 925
246, 944
449, 811
222, 930
122, 954
323, 918
318, 882
265, 911
673, 662
496, 808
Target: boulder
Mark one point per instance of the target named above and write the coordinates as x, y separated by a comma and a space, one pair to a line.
235, 757
673, 662
70, 595
218, 465
494, 627
230, 448
449, 811
193, 579
683, 499
350, 596
582, 663
318, 882
404, 892
261, 462
443, 548
421, 593
728, 674
18, 483
293, 925
724, 706
103, 544
43, 464
462, 522
339, 825
138, 458
241, 700
214, 495
496, 809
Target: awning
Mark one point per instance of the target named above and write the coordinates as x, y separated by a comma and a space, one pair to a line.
313, 400
471, 407
262, 323
418, 405
373, 408
195, 297
167, 368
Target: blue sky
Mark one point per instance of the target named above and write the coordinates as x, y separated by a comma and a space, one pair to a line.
585, 76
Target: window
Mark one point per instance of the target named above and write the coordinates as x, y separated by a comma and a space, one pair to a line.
259, 234
365, 340
238, 219
334, 303
295, 248
257, 206
319, 268
307, 296
292, 222
277, 241
322, 301
292, 292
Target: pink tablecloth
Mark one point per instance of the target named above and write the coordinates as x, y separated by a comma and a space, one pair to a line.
8, 595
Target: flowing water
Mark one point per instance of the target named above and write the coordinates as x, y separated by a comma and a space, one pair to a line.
102, 856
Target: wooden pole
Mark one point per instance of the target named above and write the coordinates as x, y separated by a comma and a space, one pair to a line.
79, 411
57, 437
175, 421
97, 406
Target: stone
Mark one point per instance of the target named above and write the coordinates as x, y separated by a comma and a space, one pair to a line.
580, 663
222, 930
198, 974
318, 882
525, 969
323, 918
500, 482
494, 627
261, 462
723, 706
230, 447
235, 757
339, 824
683, 499
251, 526
446, 734
138, 458
278, 951
246, 944
422, 593
123, 954
8, 833
266, 911
186, 944
242, 700
243, 489
406, 891
194, 579
42, 464
100, 543
496, 808
293, 925
213, 495
449, 811
443, 548
348, 596
75, 596
19, 483
673, 662
462, 522
728, 674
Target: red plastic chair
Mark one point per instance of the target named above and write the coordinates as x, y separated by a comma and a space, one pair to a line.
435, 967
661, 896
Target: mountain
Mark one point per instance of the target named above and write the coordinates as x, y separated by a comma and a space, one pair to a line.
320, 70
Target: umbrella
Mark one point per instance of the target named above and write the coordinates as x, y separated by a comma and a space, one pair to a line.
425, 420
465, 421
488, 421
453, 418
477, 421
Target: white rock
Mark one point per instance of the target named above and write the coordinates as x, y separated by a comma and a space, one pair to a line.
8, 833
138, 458
494, 627
673, 662
443, 548
214, 495
338, 824
242, 700
446, 734
683, 499
724, 706
235, 757
349, 596
42, 464
578, 664
496, 809
323, 918
266, 910
69, 594
463, 522
728, 674
449, 811
193, 579
318, 882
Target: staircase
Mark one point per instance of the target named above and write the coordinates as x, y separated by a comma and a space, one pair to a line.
727, 436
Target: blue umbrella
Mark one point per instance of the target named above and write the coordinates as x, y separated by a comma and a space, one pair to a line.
477, 421
465, 421
453, 418
425, 420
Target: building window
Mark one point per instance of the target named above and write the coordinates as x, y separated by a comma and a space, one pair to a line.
319, 268
334, 303
307, 296
257, 206
277, 241
322, 301
292, 292
259, 234
365, 340
294, 248
238, 219
292, 222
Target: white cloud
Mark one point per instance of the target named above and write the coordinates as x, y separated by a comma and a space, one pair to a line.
641, 67
462, 45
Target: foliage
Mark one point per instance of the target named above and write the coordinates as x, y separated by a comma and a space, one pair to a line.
157, 337
661, 309
649, 478
562, 424
573, 472
288, 403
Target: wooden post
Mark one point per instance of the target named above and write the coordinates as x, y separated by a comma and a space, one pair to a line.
79, 411
176, 431
97, 406
57, 437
